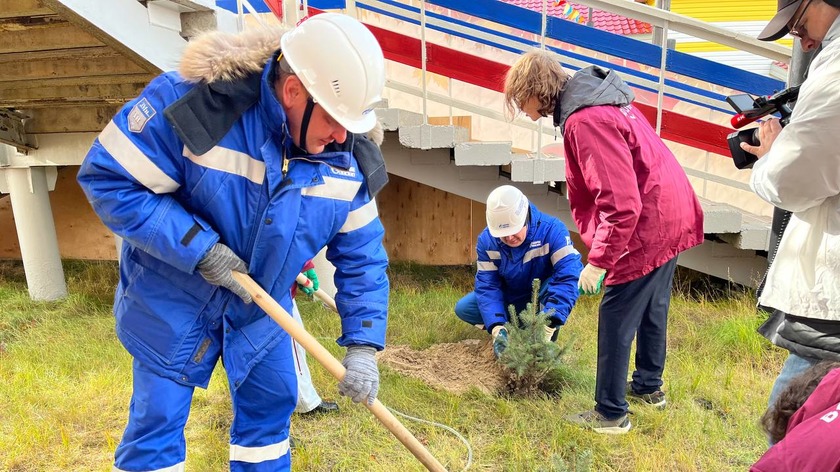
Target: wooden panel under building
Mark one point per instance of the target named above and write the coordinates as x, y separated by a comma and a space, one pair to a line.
427, 225
422, 224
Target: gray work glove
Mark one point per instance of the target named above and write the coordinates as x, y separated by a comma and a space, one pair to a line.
361, 382
216, 265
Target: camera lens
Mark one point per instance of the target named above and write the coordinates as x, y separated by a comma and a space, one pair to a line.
752, 139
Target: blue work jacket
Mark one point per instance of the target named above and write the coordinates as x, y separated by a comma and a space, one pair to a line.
505, 274
275, 211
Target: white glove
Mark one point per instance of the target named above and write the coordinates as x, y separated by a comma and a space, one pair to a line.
500, 340
591, 279
496, 329
549, 332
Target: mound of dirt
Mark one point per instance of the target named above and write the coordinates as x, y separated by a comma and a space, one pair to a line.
455, 367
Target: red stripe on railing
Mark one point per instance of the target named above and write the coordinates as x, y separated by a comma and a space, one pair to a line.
490, 75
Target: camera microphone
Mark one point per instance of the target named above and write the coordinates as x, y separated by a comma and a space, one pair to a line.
740, 120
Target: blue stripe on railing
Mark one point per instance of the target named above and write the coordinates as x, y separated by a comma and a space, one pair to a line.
616, 45
580, 57
653, 78
230, 5
326, 4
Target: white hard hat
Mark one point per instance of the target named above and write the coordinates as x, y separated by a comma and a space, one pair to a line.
507, 209
340, 63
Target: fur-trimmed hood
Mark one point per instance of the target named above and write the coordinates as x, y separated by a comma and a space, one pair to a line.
218, 56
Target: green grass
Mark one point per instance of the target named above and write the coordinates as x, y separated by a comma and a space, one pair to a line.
65, 385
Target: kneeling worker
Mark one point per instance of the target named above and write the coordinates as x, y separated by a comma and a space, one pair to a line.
520, 244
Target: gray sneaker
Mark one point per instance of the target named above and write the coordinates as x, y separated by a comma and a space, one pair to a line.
655, 399
596, 421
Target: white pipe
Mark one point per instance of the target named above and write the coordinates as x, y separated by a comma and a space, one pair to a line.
660, 87
30, 196
423, 59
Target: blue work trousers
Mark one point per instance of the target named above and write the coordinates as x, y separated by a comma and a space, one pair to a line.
154, 441
467, 307
636, 309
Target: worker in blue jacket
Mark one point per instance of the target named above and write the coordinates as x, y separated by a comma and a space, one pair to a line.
248, 159
520, 244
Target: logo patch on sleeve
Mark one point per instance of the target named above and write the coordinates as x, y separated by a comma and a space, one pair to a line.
140, 115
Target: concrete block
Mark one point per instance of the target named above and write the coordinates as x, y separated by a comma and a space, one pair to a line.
537, 170
555, 169
483, 153
522, 169
755, 233
197, 22
720, 218
432, 137
393, 119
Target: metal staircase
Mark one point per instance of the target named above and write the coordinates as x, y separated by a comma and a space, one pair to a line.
442, 157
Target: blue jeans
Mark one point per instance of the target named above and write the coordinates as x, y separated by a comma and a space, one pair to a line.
467, 307
636, 309
793, 367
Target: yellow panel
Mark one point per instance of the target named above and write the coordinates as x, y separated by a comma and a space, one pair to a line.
706, 46
725, 10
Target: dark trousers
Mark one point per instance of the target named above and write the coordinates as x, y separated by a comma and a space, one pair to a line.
634, 309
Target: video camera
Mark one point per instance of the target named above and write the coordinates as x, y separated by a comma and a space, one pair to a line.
750, 109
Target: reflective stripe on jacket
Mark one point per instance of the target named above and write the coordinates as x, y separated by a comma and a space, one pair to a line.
170, 206
505, 274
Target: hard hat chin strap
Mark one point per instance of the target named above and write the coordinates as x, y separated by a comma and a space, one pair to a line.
304, 122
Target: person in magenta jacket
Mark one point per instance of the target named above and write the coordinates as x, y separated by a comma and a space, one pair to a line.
635, 211
805, 423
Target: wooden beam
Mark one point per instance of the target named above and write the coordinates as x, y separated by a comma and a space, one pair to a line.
117, 79
53, 54
46, 37
69, 119
23, 8
12, 131
70, 67
91, 94
82, 23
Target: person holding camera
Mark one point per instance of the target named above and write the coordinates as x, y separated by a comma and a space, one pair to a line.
799, 171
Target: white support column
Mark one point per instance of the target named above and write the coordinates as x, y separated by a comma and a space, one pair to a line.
29, 189
326, 272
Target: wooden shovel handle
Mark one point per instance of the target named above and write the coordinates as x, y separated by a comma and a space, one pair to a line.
314, 348
303, 280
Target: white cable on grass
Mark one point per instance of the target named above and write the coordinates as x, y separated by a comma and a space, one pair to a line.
420, 420
439, 425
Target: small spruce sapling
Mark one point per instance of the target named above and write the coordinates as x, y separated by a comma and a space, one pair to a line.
529, 358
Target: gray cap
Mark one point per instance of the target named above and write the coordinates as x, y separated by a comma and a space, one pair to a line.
778, 25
